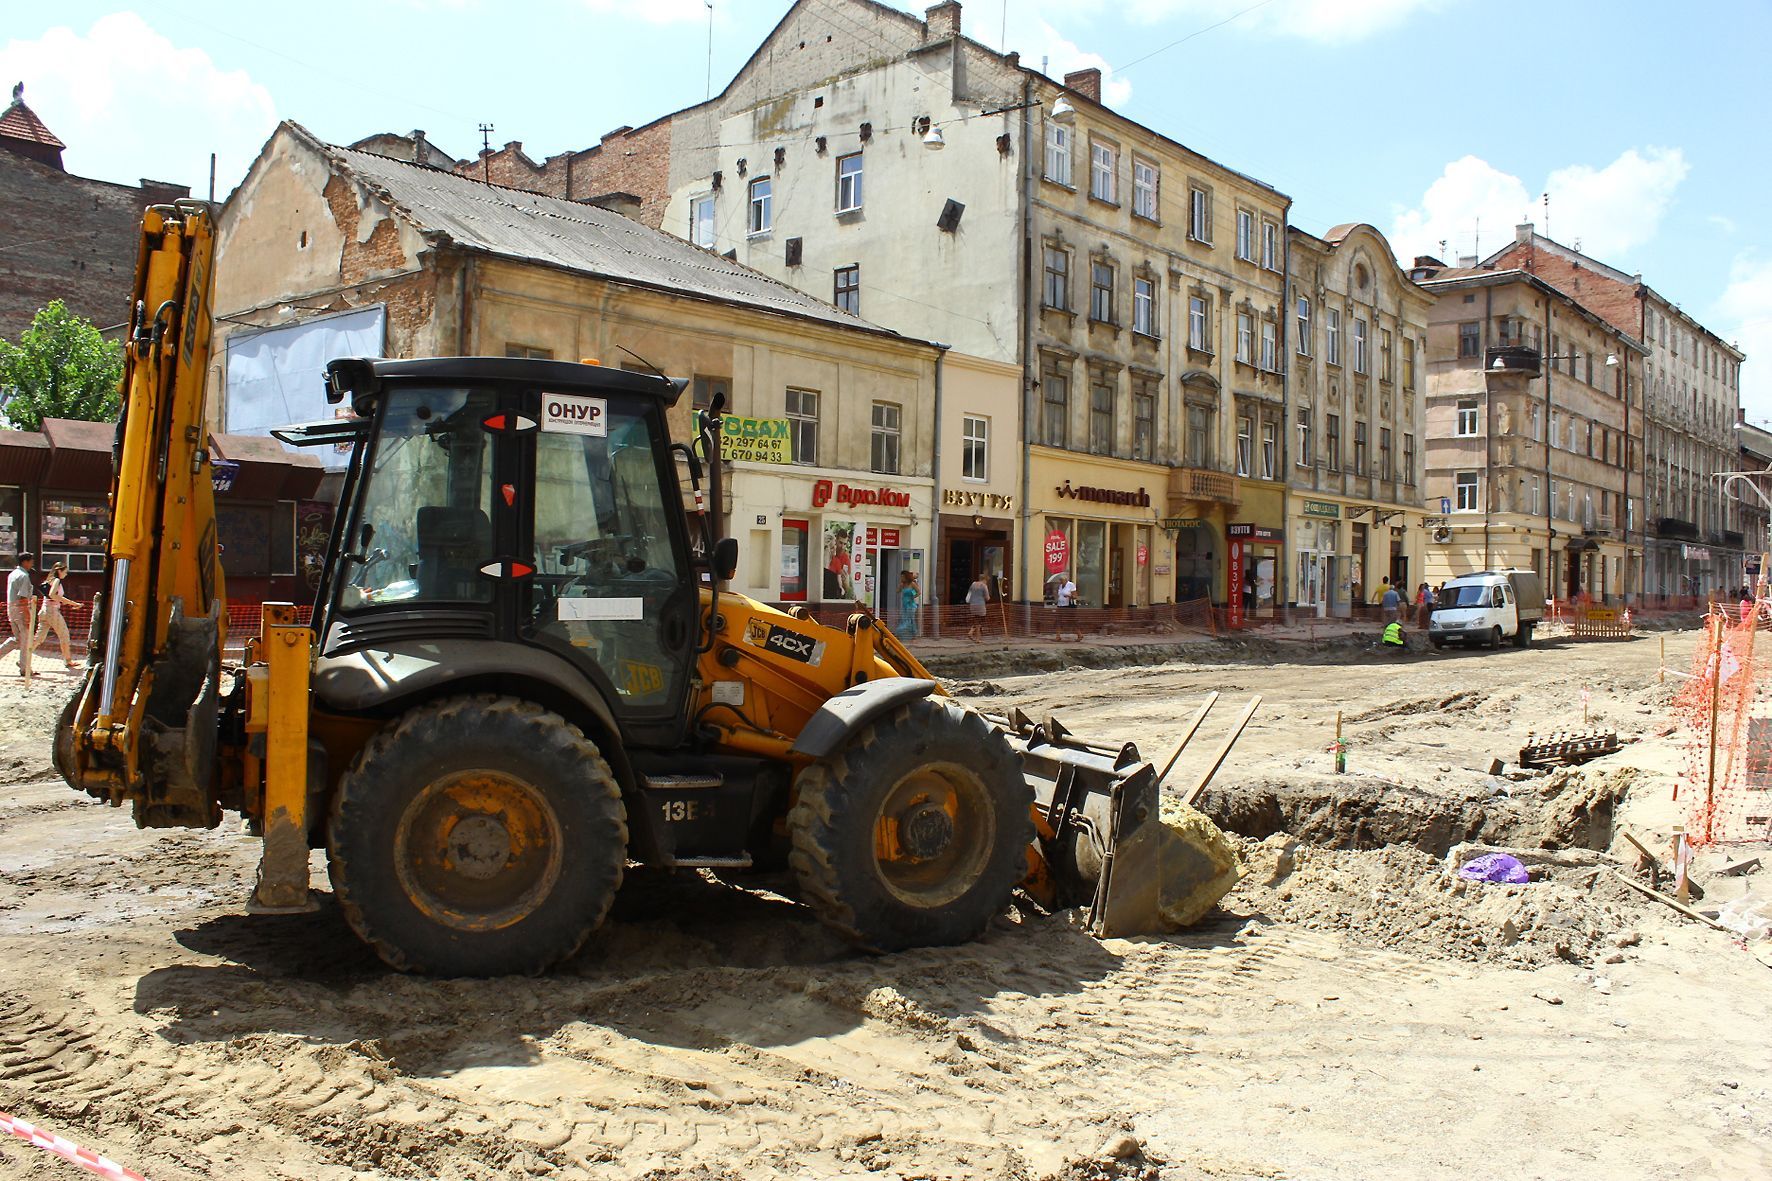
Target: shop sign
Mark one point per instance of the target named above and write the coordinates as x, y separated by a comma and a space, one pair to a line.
1160, 571
1144, 554
1253, 532
1322, 508
1138, 499
222, 474
1235, 575
826, 492
882, 538
1058, 551
1695, 553
1176, 524
758, 440
961, 498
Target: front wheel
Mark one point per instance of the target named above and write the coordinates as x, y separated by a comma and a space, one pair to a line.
916, 832
1495, 637
477, 836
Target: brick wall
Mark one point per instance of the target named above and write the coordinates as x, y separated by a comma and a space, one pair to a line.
70, 238
1605, 297
626, 161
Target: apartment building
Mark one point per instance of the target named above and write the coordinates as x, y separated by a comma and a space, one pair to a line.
910, 174
1534, 422
1357, 398
1692, 385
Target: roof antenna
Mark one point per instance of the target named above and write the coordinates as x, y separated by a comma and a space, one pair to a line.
710, 4
486, 152
656, 371
1547, 232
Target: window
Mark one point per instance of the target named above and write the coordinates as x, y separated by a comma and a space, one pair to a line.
1102, 161
1058, 278
761, 216
1245, 444
1304, 443
1571, 432
1245, 235
883, 449
1199, 435
1408, 459
803, 425
1470, 339
1466, 486
1058, 153
701, 221
1144, 298
1101, 291
1101, 414
1197, 331
1270, 352
1055, 408
1467, 417
1144, 420
1304, 327
1270, 246
1556, 430
1385, 372
1408, 362
1246, 338
1333, 432
1537, 425
975, 447
1385, 472
1199, 223
529, 352
848, 289
1359, 448
1359, 345
1332, 329
849, 183
1144, 189
1270, 449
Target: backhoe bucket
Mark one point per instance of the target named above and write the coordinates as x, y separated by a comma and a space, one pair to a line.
1108, 842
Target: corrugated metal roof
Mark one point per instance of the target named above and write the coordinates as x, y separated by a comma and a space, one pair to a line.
530, 227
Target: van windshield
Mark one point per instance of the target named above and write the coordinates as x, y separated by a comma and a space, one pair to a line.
1471, 596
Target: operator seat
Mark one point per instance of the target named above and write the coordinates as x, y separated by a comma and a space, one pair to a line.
453, 543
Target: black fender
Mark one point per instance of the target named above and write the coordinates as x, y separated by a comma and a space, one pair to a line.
392, 677
828, 730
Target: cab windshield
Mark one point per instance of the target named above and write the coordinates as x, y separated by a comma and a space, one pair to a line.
1471, 596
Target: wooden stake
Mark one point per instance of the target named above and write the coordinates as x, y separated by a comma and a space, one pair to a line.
1224, 751
1188, 735
1661, 670
1340, 754
1666, 901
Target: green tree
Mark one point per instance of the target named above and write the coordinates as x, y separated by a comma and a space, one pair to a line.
60, 368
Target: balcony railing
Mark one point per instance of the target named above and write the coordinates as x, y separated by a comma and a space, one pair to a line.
1193, 483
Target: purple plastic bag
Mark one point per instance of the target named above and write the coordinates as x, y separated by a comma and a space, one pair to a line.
1495, 867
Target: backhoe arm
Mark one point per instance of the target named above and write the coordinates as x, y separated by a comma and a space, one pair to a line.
142, 726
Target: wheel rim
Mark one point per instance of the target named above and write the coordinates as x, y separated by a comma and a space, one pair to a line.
478, 850
933, 834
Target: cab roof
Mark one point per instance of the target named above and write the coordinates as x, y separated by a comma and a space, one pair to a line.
363, 377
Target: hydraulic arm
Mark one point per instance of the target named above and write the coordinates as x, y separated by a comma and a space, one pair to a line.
143, 727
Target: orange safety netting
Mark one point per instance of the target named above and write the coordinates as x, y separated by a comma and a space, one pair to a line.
1725, 712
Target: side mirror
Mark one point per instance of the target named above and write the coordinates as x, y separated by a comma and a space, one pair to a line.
725, 559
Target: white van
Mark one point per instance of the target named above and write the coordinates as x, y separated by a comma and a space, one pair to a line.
1488, 608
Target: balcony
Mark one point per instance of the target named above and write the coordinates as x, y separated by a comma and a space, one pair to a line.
1676, 529
1200, 484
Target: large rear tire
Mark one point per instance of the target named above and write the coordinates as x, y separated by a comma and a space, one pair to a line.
916, 832
477, 836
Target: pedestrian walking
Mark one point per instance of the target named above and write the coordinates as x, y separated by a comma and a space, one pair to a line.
908, 595
1424, 605
1067, 591
1391, 602
977, 597
50, 618
21, 599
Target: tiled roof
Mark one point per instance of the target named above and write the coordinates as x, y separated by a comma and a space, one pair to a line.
583, 238
20, 122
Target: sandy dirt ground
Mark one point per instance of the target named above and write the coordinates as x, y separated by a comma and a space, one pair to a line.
1351, 1011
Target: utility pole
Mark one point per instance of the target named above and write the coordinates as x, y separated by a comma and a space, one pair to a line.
486, 152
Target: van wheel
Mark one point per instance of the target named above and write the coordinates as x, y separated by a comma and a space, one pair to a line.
1438, 642
1495, 637
1523, 636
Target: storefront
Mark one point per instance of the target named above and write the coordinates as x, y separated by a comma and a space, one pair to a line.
1095, 520
810, 536
55, 501
1255, 554
974, 544
1341, 550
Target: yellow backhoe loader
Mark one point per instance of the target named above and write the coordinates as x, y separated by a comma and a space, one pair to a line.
522, 674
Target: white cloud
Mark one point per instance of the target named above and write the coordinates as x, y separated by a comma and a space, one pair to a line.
1473, 206
1743, 316
129, 103
1723, 223
1066, 57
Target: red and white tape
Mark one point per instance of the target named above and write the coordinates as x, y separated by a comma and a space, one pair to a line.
87, 1159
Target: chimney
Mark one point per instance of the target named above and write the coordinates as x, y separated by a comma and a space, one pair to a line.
1467, 260
942, 22
418, 145
1523, 232
1085, 82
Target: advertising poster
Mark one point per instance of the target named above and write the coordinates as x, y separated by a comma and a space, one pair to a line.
839, 542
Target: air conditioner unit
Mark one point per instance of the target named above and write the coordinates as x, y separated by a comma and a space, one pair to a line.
1442, 535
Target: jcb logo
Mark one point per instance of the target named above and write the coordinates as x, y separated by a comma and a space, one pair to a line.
642, 679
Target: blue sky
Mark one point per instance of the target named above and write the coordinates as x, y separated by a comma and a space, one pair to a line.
1645, 121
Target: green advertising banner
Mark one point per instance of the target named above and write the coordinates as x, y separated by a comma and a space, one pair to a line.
759, 440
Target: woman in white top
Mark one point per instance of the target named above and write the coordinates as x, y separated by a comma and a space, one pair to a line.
54, 599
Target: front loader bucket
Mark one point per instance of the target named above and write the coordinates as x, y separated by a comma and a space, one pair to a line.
1108, 843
